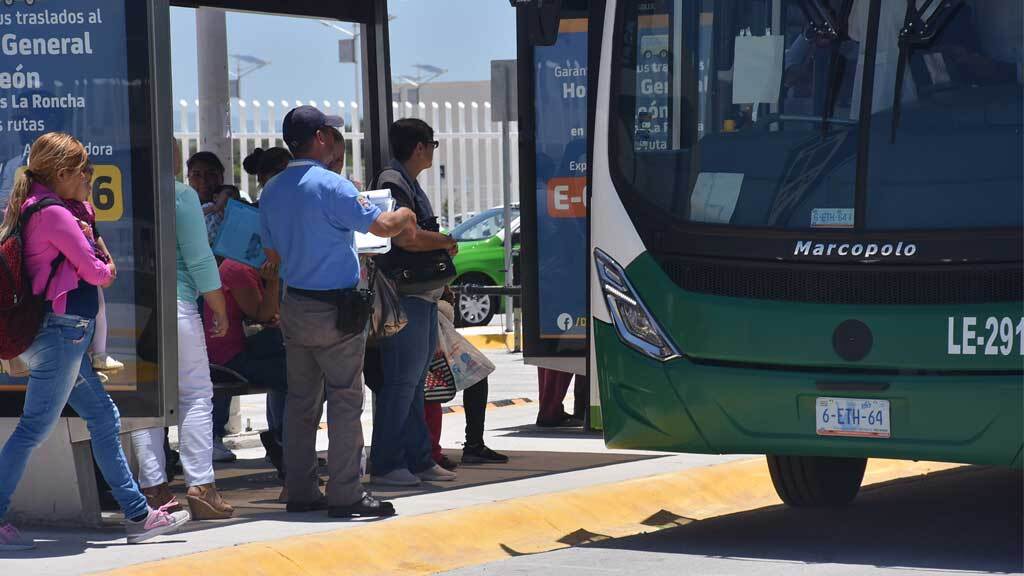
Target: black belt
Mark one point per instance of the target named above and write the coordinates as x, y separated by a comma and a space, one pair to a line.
354, 306
328, 296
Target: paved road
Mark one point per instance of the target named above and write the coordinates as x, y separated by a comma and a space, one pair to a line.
964, 521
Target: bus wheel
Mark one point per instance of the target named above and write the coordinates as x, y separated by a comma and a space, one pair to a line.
816, 481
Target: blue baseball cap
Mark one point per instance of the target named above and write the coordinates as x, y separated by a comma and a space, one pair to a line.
300, 124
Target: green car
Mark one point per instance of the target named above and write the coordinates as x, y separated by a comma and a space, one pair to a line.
481, 261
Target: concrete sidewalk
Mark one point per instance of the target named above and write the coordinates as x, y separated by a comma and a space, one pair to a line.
509, 429
474, 535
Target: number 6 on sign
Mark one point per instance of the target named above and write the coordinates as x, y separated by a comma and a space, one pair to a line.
107, 193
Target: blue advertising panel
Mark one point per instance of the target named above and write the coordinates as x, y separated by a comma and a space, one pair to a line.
82, 67
561, 187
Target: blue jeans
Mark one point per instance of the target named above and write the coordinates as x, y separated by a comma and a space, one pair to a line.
61, 374
400, 435
221, 414
264, 364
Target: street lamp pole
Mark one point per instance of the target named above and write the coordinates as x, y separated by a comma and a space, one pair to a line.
253, 63
354, 34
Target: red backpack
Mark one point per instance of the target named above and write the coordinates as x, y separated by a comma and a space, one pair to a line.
21, 311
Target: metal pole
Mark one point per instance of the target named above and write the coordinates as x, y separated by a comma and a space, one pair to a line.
214, 98
357, 97
357, 93
506, 170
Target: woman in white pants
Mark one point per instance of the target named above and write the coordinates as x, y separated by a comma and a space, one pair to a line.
197, 274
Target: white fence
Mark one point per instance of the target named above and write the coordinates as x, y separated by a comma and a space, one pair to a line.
467, 172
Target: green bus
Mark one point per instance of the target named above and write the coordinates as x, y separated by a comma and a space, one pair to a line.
806, 232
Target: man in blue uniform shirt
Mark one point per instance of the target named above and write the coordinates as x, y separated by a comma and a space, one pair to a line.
309, 217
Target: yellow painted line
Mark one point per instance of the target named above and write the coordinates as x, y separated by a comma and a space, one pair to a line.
489, 532
490, 341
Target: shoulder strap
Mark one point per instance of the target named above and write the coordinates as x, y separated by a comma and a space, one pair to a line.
31, 210
392, 176
53, 271
28, 213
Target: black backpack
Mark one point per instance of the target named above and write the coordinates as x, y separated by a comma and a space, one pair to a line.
21, 311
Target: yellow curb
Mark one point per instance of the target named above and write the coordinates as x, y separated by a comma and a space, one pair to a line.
491, 341
475, 535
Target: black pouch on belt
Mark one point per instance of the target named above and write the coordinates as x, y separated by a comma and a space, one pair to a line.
354, 310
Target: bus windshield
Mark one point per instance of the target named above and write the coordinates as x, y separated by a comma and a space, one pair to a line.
795, 114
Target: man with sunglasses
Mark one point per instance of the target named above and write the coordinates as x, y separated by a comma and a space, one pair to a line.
309, 215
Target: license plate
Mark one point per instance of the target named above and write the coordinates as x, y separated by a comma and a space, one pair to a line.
858, 417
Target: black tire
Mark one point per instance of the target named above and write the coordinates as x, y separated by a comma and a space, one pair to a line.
648, 54
475, 310
816, 481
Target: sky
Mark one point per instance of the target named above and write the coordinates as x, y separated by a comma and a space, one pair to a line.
460, 35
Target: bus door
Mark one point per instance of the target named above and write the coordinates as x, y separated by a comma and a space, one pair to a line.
553, 74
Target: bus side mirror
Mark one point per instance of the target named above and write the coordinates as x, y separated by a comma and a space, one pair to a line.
542, 19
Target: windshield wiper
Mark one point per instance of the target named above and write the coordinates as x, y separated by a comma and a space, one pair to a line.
826, 26
920, 28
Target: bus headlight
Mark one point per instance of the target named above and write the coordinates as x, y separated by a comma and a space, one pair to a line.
634, 323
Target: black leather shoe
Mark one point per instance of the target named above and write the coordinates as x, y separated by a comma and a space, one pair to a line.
320, 504
367, 507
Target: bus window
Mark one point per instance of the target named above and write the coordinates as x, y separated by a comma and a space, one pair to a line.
747, 113
950, 155
737, 112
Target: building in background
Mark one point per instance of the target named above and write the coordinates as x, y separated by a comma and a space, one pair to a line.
405, 90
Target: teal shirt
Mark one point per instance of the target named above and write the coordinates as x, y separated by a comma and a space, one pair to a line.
197, 268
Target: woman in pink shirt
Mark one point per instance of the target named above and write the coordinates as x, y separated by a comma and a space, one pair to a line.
63, 267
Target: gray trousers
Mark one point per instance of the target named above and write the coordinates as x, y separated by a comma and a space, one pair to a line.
318, 351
